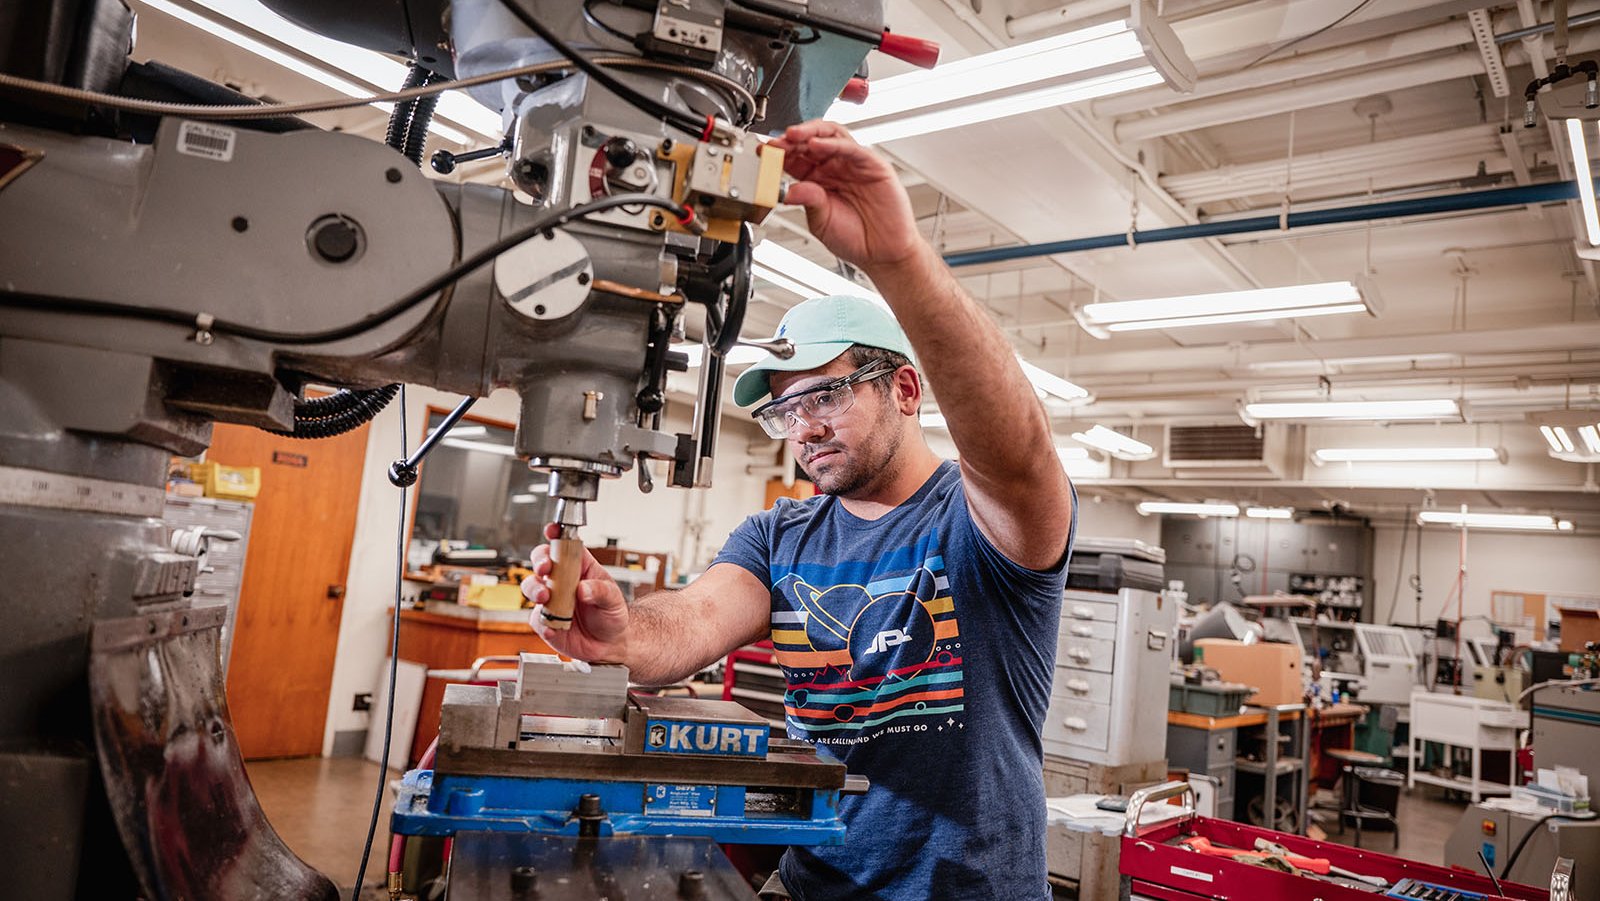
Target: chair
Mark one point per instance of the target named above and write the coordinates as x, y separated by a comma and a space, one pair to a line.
1357, 775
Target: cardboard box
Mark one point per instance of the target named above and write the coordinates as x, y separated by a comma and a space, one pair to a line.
1273, 668
1578, 628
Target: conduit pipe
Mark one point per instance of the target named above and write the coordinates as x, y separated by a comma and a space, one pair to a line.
1521, 195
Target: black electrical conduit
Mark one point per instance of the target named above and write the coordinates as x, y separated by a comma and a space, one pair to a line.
1521, 195
350, 408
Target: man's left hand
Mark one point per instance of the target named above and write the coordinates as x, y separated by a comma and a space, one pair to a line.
854, 202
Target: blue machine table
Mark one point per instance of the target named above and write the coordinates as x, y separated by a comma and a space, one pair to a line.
575, 772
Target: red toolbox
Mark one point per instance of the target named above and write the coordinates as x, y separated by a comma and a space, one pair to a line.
1160, 866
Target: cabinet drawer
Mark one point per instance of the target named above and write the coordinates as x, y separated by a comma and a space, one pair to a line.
1086, 628
1220, 749
1075, 724
1076, 608
1086, 653
1081, 685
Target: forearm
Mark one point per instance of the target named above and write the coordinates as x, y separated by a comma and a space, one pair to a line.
670, 639
992, 413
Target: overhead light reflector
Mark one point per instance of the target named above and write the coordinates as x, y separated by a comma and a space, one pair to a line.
1291, 302
1362, 410
1530, 522
1269, 512
1115, 443
1408, 454
1146, 508
1585, 177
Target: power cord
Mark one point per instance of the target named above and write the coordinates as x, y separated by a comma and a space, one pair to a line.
1307, 36
188, 318
394, 668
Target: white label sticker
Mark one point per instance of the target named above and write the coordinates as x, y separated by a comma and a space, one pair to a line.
212, 142
1192, 874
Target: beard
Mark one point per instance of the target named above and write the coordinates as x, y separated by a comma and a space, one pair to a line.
846, 472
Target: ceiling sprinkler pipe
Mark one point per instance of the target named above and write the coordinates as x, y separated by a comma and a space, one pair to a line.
1521, 195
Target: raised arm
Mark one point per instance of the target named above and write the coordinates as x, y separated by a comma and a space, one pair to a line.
663, 637
1015, 485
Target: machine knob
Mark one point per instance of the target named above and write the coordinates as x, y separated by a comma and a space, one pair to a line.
335, 238
620, 152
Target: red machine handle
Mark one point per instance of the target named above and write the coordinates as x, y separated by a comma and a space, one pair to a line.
855, 91
923, 54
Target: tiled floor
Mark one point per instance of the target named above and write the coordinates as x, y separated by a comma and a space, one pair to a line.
321, 807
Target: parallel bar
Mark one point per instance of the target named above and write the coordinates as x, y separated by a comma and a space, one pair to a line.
1521, 195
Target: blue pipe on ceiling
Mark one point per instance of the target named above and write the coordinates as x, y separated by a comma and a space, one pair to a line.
1520, 195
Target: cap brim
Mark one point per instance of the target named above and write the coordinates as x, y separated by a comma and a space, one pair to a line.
751, 386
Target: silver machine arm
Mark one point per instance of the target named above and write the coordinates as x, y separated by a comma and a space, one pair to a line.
162, 272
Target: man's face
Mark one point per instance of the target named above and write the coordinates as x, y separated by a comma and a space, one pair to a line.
842, 454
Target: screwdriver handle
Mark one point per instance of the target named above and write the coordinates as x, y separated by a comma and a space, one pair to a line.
566, 565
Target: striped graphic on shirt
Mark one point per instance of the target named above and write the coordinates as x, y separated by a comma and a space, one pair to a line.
880, 651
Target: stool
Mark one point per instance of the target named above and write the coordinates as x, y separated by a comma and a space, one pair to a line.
1354, 778
1347, 758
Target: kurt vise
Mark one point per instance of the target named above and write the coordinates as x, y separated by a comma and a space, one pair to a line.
569, 769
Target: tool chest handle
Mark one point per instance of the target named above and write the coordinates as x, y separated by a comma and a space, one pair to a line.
1143, 796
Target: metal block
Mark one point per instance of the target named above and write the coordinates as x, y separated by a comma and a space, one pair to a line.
468, 715
546, 686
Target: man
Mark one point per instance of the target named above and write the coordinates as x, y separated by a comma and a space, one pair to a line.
914, 604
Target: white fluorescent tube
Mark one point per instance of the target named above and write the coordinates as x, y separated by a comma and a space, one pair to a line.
1566, 440
524, 498
1070, 454
1148, 507
1115, 443
1406, 454
1584, 173
1010, 67
1374, 410
1291, 301
1269, 512
933, 421
1550, 439
1006, 106
466, 431
778, 279
1591, 438
1050, 383
488, 447
344, 59
1491, 520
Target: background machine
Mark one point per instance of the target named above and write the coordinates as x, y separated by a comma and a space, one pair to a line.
172, 254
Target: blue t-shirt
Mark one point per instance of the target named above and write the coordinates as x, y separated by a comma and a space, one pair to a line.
921, 657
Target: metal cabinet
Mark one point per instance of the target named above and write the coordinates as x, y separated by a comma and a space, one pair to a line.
1208, 753
1109, 694
1189, 541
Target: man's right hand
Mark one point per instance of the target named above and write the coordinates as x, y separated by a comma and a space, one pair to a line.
600, 618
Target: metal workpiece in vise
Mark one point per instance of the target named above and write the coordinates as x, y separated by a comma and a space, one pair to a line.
236, 261
562, 752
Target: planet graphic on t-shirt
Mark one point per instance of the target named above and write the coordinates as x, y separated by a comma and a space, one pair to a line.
883, 633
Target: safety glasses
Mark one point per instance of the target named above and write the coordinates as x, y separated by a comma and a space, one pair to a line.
781, 416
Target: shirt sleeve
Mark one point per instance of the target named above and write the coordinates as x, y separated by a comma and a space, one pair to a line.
750, 547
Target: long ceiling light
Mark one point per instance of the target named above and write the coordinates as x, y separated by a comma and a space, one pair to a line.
1538, 523
487, 447
1409, 454
1290, 302
1584, 173
792, 272
1105, 59
1572, 435
1269, 512
339, 62
1115, 443
1361, 410
1146, 508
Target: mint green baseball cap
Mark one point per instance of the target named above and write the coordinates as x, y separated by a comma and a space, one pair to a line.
821, 329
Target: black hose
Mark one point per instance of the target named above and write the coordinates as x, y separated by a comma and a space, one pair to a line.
421, 116
400, 117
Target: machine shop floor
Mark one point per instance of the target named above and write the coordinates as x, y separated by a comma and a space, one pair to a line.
320, 807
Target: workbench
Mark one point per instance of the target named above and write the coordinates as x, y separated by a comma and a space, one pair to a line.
1209, 745
1477, 724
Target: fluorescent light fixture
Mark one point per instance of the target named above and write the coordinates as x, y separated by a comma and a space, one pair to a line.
1591, 438
1115, 443
792, 272
1009, 67
488, 447
1291, 302
524, 498
466, 431
933, 421
1539, 523
1071, 454
1408, 454
1315, 366
1585, 177
343, 59
1360, 410
740, 355
1146, 508
1269, 512
1007, 106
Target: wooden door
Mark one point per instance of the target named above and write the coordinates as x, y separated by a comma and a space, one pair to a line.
294, 584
